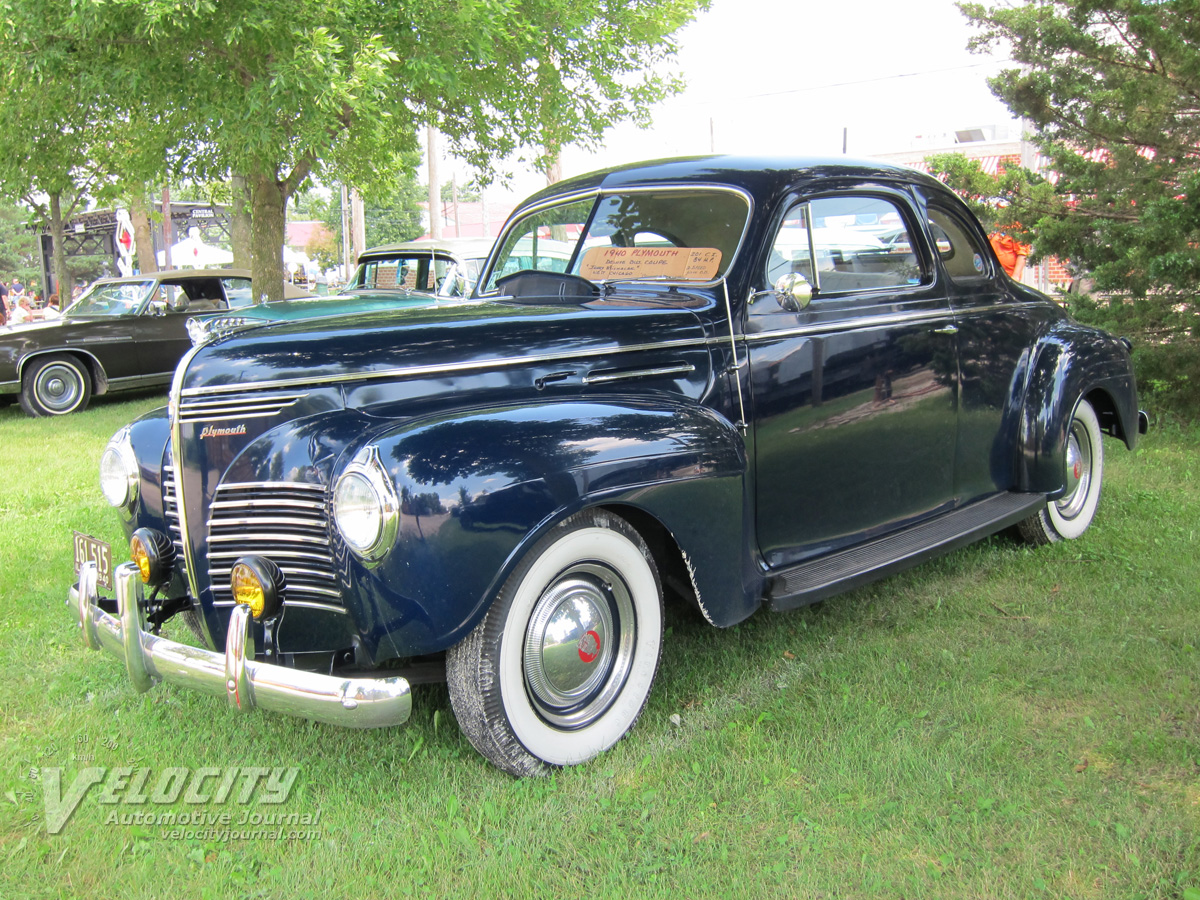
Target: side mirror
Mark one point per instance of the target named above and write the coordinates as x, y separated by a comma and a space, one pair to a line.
793, 292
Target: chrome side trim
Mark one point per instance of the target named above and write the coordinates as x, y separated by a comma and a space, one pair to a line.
628, 375
418, 371
848, 327
247, 683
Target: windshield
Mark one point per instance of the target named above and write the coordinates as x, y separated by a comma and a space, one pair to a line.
416, 272
109, 299
655, 234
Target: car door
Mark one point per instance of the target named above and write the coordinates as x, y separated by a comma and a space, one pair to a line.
853, 395
997, 325
161, 338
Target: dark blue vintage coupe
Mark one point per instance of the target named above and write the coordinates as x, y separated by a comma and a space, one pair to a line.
739, 382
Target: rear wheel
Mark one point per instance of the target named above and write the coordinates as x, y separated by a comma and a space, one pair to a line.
560, 668
1070, 515
54, 386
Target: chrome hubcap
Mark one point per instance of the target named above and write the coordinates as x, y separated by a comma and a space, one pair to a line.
579, 645
58, 388
1079, 472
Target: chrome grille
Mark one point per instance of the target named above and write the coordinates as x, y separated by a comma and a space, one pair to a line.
256, 405
170, 503
283, 521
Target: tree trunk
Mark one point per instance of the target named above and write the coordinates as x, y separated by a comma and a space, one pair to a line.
143, 237
61, 275
268, 202
239, 227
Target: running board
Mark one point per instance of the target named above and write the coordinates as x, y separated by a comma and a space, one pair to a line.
812, 581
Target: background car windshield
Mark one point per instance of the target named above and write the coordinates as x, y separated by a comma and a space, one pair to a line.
121, 299
558, 238
401, 272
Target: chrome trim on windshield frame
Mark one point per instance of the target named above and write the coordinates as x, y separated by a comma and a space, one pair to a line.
599, 191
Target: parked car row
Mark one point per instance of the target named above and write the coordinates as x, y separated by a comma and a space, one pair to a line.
732, 382
130, 333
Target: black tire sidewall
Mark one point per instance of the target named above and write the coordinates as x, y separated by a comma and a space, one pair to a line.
33, 405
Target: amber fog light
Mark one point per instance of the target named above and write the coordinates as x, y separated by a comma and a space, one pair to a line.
258, 583
154, 554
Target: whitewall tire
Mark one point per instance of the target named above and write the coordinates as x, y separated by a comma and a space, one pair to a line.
560, 668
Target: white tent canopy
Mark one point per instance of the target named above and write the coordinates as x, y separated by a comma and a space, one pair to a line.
193, 253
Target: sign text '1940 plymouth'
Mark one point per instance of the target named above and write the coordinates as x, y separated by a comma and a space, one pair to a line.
742, 382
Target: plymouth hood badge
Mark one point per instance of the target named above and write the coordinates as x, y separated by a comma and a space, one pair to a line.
212, 431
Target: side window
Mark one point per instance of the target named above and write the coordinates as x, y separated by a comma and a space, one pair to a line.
846, 244
237, 291
958, 248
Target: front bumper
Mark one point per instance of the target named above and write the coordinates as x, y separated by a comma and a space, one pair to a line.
149, 659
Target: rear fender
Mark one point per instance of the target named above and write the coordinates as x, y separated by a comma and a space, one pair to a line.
1073, 363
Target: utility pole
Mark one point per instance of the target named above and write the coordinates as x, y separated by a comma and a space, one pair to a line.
454, 201
358, 223
166, 229
435, 191
347, 259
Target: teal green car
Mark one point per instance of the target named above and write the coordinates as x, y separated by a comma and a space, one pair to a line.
413, 274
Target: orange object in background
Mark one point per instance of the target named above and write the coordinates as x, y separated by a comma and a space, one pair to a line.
1011, 253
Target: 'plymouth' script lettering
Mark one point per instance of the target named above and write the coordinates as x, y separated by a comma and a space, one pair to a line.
211, 431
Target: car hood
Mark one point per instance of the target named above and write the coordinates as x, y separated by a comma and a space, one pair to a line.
334, 305
463, 337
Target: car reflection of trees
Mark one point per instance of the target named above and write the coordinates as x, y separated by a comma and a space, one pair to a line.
509, 470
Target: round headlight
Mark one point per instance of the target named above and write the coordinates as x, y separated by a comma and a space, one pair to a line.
365, 508
119, 471
358, 512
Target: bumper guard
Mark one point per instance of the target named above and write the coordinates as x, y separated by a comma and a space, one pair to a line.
246, 683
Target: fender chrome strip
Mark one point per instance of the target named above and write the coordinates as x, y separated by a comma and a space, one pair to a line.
418, 371
844, 326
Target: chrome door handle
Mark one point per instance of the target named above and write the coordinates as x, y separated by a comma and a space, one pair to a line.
949, 329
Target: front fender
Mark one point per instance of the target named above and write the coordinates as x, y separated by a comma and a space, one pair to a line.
478, 488
1073, 362
149, 434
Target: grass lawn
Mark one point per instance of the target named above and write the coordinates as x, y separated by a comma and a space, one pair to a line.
1001, 723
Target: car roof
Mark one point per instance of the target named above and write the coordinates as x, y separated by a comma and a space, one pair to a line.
175, 273
757, 175
467, 248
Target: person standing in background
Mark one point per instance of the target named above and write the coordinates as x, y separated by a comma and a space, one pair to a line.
1011, 253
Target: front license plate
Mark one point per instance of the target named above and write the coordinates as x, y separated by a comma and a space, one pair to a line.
89, 549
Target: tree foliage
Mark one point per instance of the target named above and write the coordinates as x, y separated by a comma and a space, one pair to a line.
1113, 90
285, 91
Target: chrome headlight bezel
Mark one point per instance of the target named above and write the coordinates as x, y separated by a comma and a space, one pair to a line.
365, 486
119, 473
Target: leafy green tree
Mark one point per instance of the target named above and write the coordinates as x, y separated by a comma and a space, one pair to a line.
1112, 87
285, 91
20, 251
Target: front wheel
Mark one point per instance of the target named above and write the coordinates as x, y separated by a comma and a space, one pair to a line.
560, 668
54, 386
1070, 515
